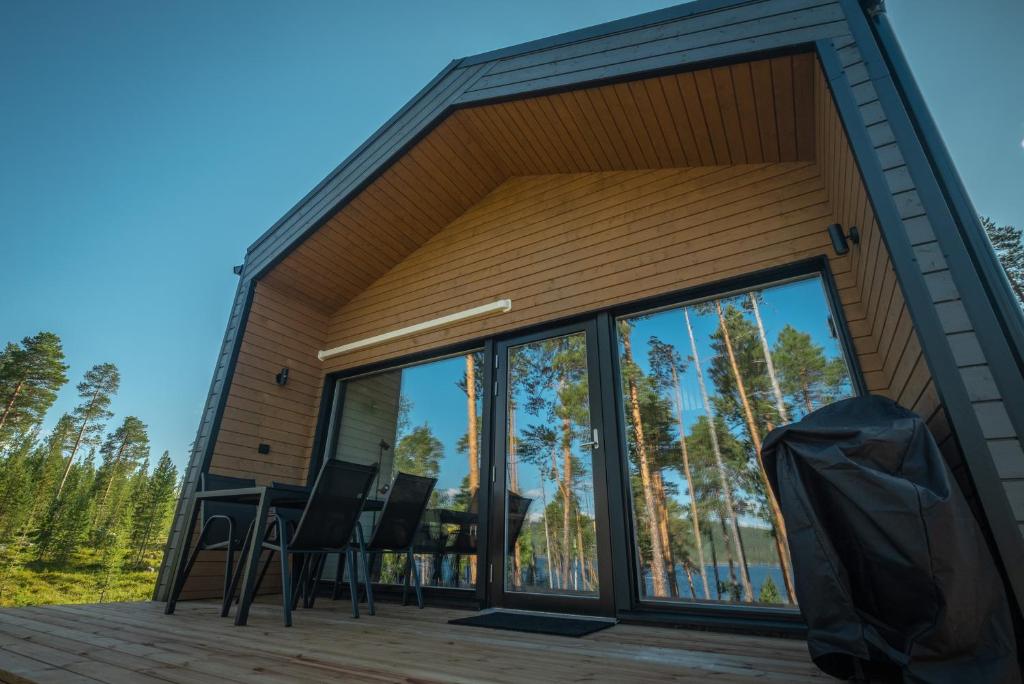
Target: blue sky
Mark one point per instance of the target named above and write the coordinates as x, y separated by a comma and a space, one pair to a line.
144, 145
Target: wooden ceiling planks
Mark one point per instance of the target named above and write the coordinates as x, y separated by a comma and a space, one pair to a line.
744, 113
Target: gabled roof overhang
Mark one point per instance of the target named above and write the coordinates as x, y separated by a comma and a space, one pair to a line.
678, 39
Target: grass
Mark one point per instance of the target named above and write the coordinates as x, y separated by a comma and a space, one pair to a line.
80, 580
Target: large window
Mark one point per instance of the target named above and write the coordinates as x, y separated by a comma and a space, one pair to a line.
702, 385
423, 420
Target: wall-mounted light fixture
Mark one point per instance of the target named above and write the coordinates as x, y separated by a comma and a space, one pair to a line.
237, 270
499, 306
839, 240
282, 377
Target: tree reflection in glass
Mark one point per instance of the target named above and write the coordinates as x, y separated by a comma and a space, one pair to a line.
702, 385
550, 533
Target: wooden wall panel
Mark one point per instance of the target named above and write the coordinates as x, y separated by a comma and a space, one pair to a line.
566, 244
280, 332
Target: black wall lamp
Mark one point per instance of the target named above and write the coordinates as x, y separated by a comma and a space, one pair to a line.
840, 241
282, 377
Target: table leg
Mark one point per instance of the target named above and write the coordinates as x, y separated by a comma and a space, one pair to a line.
255, 550
177, 581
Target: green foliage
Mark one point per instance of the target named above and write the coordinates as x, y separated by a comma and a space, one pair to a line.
807, 378
420, 452
769, 592
1006, 241
71, 531
31, 373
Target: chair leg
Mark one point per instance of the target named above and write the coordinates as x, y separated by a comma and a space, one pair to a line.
229, 594
405, 582
314, 582
300, 564
416, 578
286, 574
353, 587
263, 573
366, 569
339, 572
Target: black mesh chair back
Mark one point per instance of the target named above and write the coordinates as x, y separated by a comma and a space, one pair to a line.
242, 514
430, 537
464, 541
402, 512
335, 502
518, 506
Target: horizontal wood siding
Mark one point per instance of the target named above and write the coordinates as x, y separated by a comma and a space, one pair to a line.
280, 332
566, 244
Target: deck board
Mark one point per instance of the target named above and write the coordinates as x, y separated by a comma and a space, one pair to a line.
135, 642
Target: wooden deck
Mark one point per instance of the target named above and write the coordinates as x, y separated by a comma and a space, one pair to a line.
136, 642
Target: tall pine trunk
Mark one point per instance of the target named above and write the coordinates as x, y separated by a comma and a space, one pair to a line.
723, 477
547, 533
471, 438
471, 435
694, 513
646, 481
513, 479
670, 562
780, 403
566, 496
10, 404
755, 437
78, 443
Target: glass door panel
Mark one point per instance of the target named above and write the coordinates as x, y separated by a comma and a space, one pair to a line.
550, 522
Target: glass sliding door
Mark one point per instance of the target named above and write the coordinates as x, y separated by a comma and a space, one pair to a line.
423, 419
702, 384
550, 531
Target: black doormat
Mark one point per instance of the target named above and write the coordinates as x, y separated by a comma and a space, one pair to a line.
538, 624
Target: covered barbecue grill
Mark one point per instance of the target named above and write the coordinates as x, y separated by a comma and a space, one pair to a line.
892, 573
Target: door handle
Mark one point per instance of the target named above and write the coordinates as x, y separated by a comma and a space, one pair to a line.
596, 443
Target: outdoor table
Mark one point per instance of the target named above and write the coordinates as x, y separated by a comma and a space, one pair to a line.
263, 497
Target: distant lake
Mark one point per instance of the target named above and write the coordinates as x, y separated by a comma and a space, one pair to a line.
758, 574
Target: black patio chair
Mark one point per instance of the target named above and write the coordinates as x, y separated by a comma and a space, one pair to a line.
431, 540
226, 526
325, 526
396, 530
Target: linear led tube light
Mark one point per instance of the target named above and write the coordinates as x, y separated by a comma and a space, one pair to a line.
499, 306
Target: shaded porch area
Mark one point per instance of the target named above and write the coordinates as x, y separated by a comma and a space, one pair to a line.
135, 642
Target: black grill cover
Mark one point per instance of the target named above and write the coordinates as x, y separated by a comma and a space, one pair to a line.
891, 570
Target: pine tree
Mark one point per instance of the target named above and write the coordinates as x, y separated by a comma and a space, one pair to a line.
737, 376
16, 489
31, 373
419, 453
1006, 241
631, 376
667, 366
100, 384
728, 501
152, 508
123, 451
66, 522
807, 376
769, 592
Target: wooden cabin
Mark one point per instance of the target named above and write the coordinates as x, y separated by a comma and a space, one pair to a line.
577, 280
